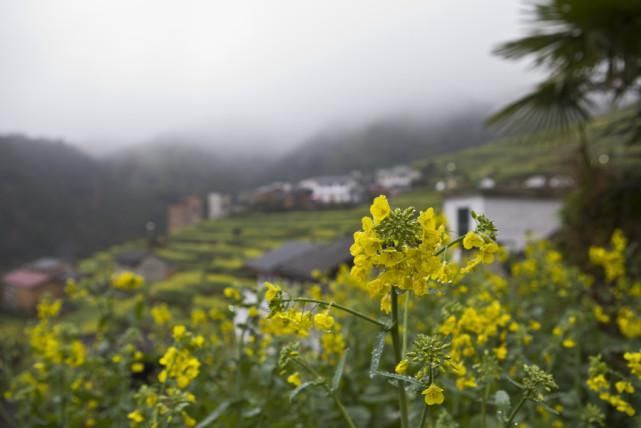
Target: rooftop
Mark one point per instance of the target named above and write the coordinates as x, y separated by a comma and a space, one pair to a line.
324, 258
131, 258
23, 278
272, 259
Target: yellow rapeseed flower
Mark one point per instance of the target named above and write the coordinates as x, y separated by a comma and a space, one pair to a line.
294, 379
380, 208
49, 309
272, 291
472, 240
232, 293
324, 320
179, 331
634, 362
401, 367
433, 395
598, 383
127, 281
135, 417
624, 386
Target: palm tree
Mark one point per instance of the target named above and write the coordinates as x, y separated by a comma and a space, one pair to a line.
592, 49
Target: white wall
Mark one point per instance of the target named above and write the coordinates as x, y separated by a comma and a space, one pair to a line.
335, 193
451, 206
514, 217
517, 217
216, 203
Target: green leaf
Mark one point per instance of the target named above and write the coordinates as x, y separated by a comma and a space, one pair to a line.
395, 376
502, 402
377, 353
213, 416
302, 387
338, 374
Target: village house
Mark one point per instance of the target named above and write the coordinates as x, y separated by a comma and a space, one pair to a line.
397, 179
24, 287
218, 205
144, 263
295, 261
334, 189
518, 214
185, 213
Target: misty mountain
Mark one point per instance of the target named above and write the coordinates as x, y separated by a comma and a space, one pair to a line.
384, 143
52, 196
57, 200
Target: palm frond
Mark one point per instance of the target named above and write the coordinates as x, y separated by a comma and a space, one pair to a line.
555, 104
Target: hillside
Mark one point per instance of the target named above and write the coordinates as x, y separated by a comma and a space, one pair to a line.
51, 194
512, 158
381, 144
96, 202
210, 256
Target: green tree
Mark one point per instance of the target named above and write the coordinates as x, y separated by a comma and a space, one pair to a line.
592, 50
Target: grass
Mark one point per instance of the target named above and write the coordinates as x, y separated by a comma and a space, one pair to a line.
547, 153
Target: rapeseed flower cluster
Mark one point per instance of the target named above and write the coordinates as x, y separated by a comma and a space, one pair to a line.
612, 261
407, 251
599, 383
127, 281
161, 314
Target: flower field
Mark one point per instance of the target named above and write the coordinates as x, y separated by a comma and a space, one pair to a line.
425, 329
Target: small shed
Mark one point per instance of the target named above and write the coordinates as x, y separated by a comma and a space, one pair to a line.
144, 263
266, 266
23, 288
517, 214
325, 258
296, 260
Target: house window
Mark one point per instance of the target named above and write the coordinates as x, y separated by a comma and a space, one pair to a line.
463, 221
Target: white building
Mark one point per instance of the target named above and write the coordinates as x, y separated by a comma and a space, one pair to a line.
333, 190
487, 183
517, 216
218, 205
398, 177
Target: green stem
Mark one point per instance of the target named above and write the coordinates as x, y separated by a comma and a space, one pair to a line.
330, 391
402, 399
424, 413
484, 406
516, 409
343, 410
405, 316
63, 401
451, 244
239, 381
340, 307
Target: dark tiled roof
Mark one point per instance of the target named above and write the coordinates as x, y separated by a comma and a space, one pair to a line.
131, 258
269, 261
325, 258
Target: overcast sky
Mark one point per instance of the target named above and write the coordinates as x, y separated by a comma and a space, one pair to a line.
125, 71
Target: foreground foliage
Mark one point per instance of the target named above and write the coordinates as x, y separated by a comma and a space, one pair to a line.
424, 329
